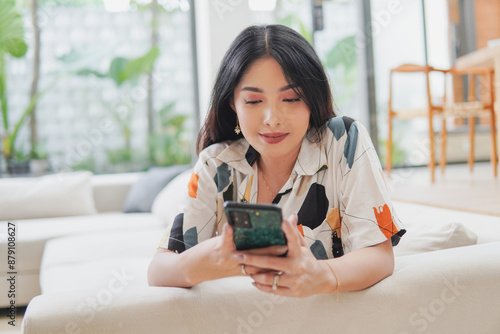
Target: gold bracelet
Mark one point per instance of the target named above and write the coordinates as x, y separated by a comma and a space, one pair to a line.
338, 282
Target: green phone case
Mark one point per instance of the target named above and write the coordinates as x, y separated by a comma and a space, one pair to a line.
255, 225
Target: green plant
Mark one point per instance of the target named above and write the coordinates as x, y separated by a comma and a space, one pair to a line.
168, 144
39, 152
341, 59
125, 73
11, 42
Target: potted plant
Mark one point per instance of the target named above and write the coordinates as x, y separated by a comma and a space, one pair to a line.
11, 42
39, 162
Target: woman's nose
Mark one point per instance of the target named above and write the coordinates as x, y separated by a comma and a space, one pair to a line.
273, 115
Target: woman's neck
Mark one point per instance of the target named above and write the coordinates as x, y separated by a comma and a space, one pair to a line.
278, 168
273, 174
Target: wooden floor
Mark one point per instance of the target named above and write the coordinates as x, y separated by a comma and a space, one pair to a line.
456, 189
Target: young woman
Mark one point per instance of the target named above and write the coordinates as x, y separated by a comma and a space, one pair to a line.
271, 136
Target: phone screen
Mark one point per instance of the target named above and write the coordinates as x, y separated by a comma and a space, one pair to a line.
255, 225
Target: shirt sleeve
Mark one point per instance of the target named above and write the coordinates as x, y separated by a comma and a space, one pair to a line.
368, 216
196, 220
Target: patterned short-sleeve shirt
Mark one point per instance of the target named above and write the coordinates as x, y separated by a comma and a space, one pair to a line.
337, 188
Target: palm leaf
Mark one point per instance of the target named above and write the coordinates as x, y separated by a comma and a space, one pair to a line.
11, 30
12, 42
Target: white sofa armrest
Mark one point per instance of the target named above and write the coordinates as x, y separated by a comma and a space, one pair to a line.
448, 291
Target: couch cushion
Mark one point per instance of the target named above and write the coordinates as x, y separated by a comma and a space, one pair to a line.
487, 228
448, 291
33, 234
422, 238
120, 272
168, 202
142, 194
57, 195
68, 260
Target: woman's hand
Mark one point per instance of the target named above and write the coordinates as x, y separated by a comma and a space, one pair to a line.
211, 259
299, 274
226, 256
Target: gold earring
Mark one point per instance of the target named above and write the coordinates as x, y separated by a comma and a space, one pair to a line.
237, 129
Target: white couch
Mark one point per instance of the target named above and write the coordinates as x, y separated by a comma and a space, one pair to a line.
107, 193
93, 280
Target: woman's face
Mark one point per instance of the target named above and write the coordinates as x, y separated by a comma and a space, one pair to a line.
272, 117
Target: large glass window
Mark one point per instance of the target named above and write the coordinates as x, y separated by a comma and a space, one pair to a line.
398, 38
118, 80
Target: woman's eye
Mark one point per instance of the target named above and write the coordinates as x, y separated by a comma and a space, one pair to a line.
292, 100
252, 102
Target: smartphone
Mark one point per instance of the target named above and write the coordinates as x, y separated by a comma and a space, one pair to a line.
255, 225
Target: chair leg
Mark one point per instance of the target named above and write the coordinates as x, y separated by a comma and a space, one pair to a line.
444, 134
472, 132
493, 129
388, 164
432, 161
494, 152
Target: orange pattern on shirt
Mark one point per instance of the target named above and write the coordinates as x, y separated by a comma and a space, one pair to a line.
248, 191
334, 220
384, 220
301, 229
193, 185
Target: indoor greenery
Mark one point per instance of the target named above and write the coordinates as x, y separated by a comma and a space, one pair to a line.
12, 43
125, 74
168, 143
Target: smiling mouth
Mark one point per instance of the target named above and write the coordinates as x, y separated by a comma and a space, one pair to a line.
274, 135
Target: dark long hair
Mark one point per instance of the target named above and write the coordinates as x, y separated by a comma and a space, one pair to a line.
301, 67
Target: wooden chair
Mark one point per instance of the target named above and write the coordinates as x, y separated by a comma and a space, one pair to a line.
480, 101
430, 111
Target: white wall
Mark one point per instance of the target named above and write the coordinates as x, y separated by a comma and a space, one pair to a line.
218, 22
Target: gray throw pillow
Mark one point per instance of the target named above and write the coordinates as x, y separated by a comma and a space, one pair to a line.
142, 194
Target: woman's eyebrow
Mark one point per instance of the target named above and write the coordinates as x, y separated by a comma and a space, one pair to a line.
258, 90
252, 89
287, 87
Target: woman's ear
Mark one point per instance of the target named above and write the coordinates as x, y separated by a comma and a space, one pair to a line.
231, 104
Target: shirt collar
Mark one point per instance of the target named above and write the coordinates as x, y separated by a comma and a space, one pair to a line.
241, 156
311, 159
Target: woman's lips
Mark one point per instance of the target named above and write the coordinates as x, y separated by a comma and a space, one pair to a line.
273, 137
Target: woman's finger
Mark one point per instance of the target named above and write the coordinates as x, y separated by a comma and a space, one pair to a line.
270, 277
264, 262
227, 237
271, 250
250, 270
280, 290
292, 236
